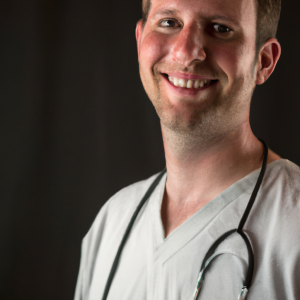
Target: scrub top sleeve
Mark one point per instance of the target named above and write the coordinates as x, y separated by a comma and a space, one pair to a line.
89, 247
79, 284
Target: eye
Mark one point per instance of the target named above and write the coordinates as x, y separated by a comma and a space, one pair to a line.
221, 28
168, 23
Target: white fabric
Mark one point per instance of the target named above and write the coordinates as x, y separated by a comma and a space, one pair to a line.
154, 268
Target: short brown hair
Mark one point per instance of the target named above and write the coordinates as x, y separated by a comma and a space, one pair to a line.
268, 13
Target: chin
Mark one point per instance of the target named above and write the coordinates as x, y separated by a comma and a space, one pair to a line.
181, 120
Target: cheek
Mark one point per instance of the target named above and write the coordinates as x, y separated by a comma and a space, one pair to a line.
154, 48
235, 61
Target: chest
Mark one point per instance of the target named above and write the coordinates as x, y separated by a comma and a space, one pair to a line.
174, 215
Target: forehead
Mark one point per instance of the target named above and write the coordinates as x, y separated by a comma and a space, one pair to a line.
239, 11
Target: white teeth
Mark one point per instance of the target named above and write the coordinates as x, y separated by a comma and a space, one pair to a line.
189, 83
182, 82
176, 82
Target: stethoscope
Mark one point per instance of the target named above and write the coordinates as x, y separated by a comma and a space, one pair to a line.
210, 255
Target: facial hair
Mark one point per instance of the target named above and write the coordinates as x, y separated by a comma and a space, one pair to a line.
215, 118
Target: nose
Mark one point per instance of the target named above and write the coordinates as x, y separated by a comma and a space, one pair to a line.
188, 46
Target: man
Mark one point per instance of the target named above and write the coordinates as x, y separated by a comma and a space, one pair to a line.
200, 61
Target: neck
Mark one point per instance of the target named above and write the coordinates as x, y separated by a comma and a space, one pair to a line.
198, 170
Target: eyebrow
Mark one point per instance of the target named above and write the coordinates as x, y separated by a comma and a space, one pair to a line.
219, 17
165, 11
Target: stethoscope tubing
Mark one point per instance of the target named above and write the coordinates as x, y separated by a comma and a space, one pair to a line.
127, 232
239, 230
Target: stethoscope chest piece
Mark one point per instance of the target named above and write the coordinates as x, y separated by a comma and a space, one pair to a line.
243, 293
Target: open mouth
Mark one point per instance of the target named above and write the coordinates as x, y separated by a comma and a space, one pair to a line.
189, 83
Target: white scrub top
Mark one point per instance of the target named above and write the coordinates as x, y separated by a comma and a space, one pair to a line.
152, 267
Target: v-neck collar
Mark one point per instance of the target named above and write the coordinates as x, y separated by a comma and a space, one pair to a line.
164, 248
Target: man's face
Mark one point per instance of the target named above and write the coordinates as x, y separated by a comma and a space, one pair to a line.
197, 62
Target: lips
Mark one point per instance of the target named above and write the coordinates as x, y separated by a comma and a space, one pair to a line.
188, 81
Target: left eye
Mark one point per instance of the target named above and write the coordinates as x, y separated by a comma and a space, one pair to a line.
221, 28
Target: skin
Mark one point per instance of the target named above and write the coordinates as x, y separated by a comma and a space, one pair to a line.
207, 137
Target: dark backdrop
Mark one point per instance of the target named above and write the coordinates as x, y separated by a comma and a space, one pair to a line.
76, 126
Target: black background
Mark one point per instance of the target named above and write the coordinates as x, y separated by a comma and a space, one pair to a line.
76, 126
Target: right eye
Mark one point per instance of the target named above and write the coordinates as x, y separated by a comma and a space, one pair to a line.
168, 23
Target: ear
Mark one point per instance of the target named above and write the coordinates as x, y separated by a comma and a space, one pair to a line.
138, 34
267, 60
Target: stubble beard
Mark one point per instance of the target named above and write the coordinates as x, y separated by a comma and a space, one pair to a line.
204, 126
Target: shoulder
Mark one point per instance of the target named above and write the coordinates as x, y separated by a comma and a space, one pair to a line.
281, 188
109, 226
275, 219
283, 177
279, 208
129, 197
118, 210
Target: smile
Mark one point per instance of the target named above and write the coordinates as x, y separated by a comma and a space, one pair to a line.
189, 84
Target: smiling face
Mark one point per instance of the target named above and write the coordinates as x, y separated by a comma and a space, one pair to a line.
197, 63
